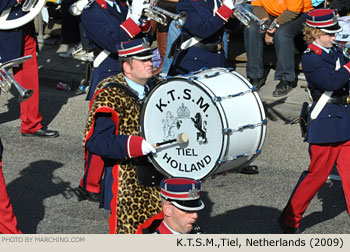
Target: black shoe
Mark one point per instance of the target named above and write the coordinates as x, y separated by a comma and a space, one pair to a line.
286, 229
43, 133
86, 195
251, 169
284, 87
258, 83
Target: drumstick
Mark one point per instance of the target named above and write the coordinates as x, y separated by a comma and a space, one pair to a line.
180, 139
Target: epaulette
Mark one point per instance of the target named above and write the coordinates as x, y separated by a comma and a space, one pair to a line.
314, 48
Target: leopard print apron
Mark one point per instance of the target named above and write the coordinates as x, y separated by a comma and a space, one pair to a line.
132, 204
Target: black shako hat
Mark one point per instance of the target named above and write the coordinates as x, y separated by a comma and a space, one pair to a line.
324, 19
137, 48
182, 193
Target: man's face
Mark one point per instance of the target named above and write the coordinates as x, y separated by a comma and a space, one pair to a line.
182, 220
140, 70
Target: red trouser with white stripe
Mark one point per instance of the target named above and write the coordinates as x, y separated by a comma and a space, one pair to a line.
27, 76
323, 158
8, 221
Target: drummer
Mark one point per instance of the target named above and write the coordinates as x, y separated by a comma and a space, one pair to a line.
112, 133
180, 202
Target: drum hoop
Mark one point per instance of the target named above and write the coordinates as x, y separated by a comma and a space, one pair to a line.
218, 105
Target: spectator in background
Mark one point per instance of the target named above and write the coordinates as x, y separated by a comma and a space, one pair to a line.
286, 19
70, 33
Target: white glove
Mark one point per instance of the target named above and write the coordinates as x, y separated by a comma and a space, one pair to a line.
137, 7
147, 148
229, 4
77, 8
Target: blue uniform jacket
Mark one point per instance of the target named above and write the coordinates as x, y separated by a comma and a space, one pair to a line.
203, 24
102, 28
105, 28
333, 123
11, 40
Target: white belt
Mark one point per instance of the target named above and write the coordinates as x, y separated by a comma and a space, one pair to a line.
320, 104
5, 14
323, 99
190, 42
100, 58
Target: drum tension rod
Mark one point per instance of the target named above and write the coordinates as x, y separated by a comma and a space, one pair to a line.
211, 75
229, 131
220, 98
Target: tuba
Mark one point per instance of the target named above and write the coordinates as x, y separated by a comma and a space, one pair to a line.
33, 7
6, 79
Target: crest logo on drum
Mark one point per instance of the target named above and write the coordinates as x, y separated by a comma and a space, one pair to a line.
183, 112
169, 124
200, 126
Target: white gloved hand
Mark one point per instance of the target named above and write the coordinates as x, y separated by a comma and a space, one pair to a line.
77, 8
137, 7
230, 4
147, 148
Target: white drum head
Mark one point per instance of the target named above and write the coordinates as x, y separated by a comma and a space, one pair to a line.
176, 107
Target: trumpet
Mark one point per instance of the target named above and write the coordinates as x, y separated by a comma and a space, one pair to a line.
6, 79
345, 47
246, 16
160, 15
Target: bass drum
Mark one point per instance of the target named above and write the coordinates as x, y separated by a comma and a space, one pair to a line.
221, 114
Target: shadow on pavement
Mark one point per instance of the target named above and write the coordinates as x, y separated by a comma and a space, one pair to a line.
51, 101
333, 203
263, 220
28, 192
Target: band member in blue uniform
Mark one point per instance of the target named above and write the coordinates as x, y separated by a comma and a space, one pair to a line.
200, 43
106, 25
130, 187
15, 43
327, 72
180, 204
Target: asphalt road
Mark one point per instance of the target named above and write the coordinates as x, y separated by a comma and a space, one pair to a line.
42, 176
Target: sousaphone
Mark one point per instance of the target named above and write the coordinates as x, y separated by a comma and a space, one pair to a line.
33, 7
